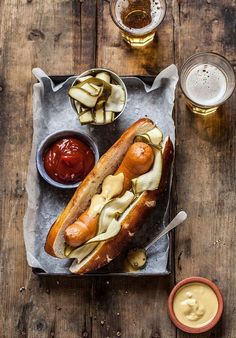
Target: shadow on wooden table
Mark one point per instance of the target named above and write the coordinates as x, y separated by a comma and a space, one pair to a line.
214, 128
97, 307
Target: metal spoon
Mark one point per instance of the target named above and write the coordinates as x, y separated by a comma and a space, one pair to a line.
136, 258
177, 220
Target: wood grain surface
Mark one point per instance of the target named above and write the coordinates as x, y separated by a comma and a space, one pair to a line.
65, 37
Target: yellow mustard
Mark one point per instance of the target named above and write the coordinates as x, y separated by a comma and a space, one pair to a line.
195, 305
111, 187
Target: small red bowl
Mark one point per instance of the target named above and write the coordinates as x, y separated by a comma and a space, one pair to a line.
214, 321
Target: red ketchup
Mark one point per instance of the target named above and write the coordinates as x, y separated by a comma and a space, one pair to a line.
68, 160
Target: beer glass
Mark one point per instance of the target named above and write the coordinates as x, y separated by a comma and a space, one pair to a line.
138, 19
207, 81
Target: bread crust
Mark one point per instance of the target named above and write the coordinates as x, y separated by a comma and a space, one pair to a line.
106, 165
107, 251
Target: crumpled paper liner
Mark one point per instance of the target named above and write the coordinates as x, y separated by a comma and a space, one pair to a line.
52, 112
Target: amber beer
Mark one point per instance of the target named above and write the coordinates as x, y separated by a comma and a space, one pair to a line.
207, 80
138, 19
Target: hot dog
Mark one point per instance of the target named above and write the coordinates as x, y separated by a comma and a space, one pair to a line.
98, 231
137, 161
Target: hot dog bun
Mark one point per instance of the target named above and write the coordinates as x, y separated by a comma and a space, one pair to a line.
107, 251
137, 161
107, 165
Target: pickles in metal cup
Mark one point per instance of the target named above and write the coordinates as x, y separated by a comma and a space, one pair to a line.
98, 96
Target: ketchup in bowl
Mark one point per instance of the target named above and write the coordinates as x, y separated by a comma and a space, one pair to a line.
68, 160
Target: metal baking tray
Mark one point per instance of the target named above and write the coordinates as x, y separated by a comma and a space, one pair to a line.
104, 272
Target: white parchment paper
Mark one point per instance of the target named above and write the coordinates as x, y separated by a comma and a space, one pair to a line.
52, 112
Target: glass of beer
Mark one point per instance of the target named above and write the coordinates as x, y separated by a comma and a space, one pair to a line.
207, 81
138, 19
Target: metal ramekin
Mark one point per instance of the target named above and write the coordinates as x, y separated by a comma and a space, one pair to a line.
51, 139
116, 79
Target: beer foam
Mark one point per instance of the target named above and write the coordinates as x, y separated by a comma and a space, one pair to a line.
157, 14
206, 85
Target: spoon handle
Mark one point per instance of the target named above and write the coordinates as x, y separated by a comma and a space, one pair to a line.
178, 219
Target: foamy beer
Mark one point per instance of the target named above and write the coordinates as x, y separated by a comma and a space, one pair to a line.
207, 80
138, 19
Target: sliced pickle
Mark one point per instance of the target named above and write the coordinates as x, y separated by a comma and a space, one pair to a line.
109, 116
83, 78
111, 187
114, 209
105, 94
97, 88
77, 264
99, 105
68, 250
98, 93
86, 118
152, 137
150, 180
84, 110
90, 89
104, 76
83, 97
116, 100
106, 88
112, 230
91, 80
83, 251
137, 258
99, 116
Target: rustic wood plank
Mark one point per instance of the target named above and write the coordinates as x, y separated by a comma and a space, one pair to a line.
84, 35
205, 162
131, 307
46, 34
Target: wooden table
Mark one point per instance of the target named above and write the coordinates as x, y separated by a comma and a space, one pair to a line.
65, 37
